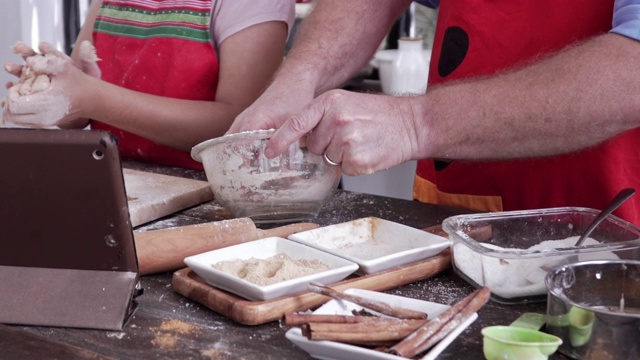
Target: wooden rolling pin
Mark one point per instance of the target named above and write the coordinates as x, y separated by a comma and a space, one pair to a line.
164, 250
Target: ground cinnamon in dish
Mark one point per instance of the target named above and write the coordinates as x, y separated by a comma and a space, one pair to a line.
278, 268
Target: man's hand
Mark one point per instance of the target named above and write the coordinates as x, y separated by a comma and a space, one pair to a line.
273, 107
353, 129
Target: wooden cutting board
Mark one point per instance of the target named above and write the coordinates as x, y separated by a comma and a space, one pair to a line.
247, 312
152, 196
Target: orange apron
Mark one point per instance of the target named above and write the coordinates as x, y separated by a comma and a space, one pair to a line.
161, 48
477, 37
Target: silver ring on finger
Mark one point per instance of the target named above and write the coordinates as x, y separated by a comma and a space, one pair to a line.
329, 161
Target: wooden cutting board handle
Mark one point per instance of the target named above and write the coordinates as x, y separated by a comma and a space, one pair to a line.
164, 250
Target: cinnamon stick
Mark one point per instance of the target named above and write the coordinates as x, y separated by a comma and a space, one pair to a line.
436, 329
294, 319
378, 306
372, 330
358, 339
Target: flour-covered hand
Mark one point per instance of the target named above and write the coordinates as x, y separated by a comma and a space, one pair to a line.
49, 92
88, 59
42, 109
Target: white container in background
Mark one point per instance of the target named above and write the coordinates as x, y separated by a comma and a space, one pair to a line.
410, 69
383, 61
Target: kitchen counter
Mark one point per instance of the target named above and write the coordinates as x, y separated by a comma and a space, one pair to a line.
167, 325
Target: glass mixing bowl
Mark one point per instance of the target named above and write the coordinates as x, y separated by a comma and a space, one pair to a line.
511, 252
288, 188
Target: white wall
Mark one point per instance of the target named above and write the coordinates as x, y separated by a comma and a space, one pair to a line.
9, 33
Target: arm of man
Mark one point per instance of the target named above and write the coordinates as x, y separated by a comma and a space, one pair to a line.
571, 100
578, 98
335, 40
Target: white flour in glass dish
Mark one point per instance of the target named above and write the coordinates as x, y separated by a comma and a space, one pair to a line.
510, 278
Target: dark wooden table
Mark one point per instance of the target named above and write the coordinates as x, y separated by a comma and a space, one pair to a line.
167, 325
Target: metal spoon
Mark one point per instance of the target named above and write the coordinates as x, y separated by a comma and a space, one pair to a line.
622, 196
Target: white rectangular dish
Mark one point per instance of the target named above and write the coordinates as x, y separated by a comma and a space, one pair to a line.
268, 248
374, 244
330, 350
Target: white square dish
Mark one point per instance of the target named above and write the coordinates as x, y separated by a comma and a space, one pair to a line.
331, 350
374, 244
202, 264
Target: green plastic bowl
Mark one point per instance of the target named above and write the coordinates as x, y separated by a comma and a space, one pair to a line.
516, 343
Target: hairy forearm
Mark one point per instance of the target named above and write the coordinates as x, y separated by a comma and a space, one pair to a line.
572, 100
177, 123
327, 51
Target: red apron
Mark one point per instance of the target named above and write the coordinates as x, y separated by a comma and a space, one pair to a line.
156, 47
476, 37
